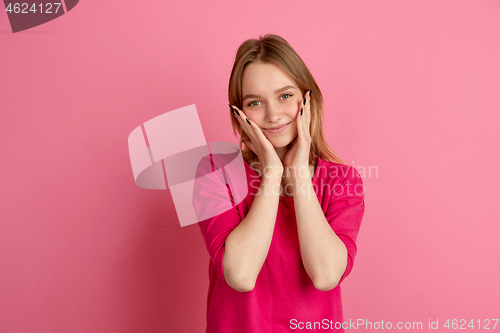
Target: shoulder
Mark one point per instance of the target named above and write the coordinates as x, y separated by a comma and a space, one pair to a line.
214, 161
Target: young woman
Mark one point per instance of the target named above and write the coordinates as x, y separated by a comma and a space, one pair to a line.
279, 256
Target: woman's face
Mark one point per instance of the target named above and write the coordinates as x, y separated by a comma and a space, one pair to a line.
271, 98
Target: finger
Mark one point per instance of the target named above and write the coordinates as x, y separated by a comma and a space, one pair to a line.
245, 123
300, 121
307, 113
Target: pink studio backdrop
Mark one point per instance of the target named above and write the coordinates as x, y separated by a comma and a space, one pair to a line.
410, 88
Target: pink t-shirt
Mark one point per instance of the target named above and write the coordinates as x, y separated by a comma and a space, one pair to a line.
284, 298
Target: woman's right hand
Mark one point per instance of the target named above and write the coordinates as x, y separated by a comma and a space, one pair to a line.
270, 163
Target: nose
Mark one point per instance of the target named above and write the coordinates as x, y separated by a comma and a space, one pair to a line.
273, 114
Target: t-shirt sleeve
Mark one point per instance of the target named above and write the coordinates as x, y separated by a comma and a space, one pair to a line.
213, 194
345, 211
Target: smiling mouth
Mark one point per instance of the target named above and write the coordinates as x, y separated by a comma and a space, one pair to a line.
278, 129
274, 128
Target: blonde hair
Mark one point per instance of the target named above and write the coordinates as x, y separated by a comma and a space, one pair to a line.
275, 50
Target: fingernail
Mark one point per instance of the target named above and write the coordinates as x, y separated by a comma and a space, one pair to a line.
301, 111
304, 101
236, 111
232, 110
310, 90
248, 121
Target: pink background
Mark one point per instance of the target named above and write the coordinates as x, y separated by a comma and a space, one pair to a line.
410, 87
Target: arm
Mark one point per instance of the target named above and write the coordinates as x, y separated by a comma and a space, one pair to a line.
323, 253
247, 245
326, 258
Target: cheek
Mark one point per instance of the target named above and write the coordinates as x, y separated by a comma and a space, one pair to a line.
294, 127
292, 111
252, 117
299, 104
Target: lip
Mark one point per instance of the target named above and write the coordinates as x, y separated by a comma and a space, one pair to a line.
277, 130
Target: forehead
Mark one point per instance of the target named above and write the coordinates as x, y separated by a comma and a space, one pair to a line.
259, 77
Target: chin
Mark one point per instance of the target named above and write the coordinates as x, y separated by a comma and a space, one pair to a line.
281, 142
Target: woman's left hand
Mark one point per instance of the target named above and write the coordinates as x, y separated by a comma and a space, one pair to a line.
297, 158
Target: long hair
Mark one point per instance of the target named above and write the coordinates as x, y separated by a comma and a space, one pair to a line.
275, 50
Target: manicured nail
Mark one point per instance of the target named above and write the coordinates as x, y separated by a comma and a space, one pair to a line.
248, 121
301, 111
310, 90
304, 101
236, 111
232, 110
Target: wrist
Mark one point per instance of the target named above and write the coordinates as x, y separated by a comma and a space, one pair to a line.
272, 179
296, 173
272, 173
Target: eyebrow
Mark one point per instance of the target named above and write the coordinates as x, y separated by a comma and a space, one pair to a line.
276, 92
